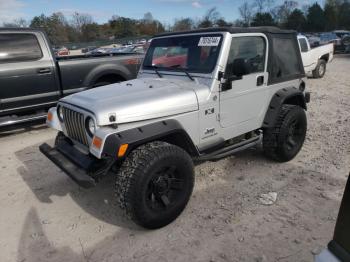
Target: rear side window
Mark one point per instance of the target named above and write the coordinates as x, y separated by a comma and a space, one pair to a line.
19, 48
247, 56
286, 59
303, 45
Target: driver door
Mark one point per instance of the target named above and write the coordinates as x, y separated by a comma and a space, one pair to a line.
244, 102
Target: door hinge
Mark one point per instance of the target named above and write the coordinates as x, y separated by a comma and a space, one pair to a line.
218, 117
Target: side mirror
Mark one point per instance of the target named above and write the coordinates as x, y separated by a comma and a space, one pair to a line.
236, 70
226, 84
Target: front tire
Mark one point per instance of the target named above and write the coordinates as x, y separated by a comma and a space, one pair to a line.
320, 69
154, 184
284, 141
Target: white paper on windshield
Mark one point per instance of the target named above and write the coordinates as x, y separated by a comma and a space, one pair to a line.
209, 41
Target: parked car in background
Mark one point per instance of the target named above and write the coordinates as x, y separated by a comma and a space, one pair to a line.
329, 37
315, 59
100, 50
346, 43
63, 51
88, 49
32, 78
335, 37
344, 36
314, 40
131, 49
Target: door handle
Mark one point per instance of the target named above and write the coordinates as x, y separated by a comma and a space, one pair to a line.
260, 80
44, 71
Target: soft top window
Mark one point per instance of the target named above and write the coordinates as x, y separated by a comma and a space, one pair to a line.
286, 60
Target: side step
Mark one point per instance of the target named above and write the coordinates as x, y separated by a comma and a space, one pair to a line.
232, 149
10, 121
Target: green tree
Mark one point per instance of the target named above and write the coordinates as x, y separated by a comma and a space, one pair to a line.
221, 22
331, 13
315, 18
263, 19
90, 32
123, 26
296, 21
344, 15
39, 21
183, 24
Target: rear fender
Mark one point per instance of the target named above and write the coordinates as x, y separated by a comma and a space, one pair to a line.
290, 95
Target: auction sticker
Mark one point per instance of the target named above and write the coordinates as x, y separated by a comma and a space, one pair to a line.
209, 41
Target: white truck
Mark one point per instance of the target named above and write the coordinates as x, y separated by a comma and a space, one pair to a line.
315, 59
200, 95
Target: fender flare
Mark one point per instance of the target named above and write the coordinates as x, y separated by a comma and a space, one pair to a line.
289, 95
167, 130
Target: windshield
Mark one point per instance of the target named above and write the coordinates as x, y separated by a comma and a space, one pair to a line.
194, 53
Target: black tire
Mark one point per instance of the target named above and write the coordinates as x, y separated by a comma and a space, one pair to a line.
284, 141
154, 184
320, 69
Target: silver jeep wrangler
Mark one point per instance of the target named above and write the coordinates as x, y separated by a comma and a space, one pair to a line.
200, 95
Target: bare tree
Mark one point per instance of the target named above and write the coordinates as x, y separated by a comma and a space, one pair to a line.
245, 10
210, 18
282, 12
81, 20
263, 5
19, 22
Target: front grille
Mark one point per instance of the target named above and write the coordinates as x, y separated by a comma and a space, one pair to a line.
75, 125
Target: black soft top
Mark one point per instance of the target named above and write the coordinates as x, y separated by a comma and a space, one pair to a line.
284, 64
234, 30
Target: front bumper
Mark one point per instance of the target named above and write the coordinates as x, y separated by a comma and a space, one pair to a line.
85, 170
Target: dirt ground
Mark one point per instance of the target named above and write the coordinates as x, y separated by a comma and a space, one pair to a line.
46, 217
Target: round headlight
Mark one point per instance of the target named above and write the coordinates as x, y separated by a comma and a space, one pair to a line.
60, 113
90, 126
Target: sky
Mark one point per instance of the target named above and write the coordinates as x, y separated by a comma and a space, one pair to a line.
164, 10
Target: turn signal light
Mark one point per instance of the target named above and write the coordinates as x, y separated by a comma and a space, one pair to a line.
122, 150
49, 116
97, 142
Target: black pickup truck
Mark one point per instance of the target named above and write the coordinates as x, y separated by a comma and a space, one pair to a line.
32, 79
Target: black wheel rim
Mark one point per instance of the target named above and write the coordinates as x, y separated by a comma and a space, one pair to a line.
295, 135
165, 189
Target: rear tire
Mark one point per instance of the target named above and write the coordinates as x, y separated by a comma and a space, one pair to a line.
284, 141
154, 184
320, 69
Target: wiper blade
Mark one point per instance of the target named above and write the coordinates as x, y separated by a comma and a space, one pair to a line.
183, 70
156, 70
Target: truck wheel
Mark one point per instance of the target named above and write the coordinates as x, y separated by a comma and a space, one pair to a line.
155, 183
283, 141
320, 69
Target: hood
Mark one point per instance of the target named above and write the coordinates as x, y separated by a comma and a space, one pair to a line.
136, 100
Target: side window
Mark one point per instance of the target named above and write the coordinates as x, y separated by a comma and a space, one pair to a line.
19, 48
247, 56
303, 45
285, 58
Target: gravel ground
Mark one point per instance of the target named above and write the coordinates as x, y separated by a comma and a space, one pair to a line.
46, 217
